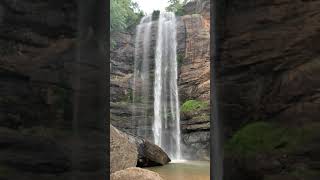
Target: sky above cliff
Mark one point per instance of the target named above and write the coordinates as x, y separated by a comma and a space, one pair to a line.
149, 5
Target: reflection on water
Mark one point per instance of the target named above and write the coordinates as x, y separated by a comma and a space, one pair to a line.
184, 170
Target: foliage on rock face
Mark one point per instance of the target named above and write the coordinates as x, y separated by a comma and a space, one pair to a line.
180, 58
176, 6
193, 105
123, 14
263, 137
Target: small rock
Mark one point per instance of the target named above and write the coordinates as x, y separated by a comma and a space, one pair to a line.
135, 174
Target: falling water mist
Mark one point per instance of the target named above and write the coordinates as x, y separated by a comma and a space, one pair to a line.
166, 126
141, 79
165, 100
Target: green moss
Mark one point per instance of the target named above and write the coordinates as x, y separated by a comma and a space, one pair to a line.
193, 105
253, 138
263, 137
180, 58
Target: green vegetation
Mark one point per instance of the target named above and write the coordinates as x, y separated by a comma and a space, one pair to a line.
255, 137
264, 137
176, 6
193, 105
180, 58
124, 14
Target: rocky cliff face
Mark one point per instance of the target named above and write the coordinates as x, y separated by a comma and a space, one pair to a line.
194, 78
270, 61
38, 48
270, 71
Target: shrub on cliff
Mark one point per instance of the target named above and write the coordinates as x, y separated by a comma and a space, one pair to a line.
193, 105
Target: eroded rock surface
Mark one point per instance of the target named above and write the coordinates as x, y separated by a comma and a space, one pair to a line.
123, 150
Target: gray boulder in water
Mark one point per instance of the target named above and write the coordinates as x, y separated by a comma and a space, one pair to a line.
150, 154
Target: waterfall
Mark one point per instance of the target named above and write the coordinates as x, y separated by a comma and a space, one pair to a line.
166, 126
141, 78
165, 100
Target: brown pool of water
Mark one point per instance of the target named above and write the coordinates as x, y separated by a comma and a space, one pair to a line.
184, 170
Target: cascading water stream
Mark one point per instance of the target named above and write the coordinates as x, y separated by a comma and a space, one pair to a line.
166, 111
166, 126
141, 79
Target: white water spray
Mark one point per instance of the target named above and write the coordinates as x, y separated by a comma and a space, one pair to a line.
166, 126
141, 79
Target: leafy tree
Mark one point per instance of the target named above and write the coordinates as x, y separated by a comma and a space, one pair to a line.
176, 6
124, 14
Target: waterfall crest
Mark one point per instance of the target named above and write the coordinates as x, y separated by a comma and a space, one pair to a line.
166, 111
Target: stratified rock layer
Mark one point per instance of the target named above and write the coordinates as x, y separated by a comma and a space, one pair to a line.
270, 66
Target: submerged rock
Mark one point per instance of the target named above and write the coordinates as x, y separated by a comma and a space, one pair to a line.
123, 150
135, 174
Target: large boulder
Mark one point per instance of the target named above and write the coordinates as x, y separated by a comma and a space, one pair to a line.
123, 150
135, 174
150, 154
127, 150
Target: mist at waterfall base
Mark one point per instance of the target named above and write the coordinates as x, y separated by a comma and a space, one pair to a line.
155, 83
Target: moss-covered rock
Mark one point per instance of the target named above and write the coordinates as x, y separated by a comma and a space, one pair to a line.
193, 105
272, 151
263, 137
